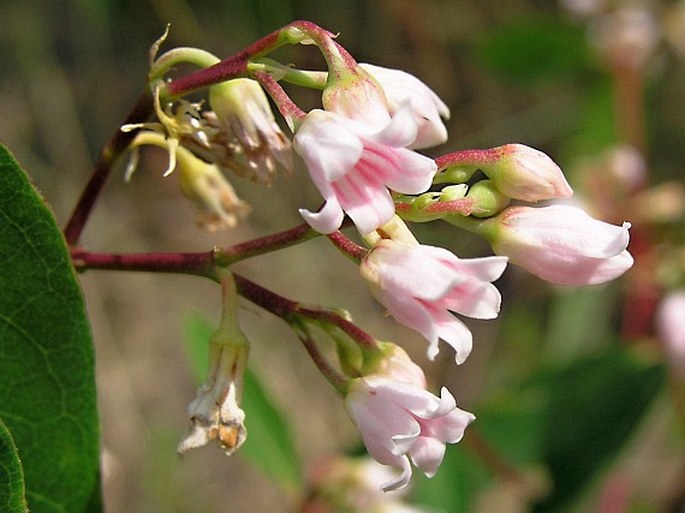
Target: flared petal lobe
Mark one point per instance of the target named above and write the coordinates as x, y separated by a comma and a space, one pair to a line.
420, 285
357, 166
399, 420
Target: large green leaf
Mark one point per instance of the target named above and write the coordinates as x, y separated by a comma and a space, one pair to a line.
47, 385
12, 493
269, 445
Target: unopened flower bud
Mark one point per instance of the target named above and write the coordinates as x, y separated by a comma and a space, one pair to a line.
253, 143
518, 171
527, 174
561, 244
670, 325
356, 95
401, 87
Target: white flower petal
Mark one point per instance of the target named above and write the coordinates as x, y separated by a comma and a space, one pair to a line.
326, 220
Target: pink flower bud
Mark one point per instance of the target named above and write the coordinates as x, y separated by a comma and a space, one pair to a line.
670, 324
357, 96
527, 174
562, 244
400, 88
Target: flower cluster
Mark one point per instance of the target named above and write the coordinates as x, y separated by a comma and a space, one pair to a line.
360, 151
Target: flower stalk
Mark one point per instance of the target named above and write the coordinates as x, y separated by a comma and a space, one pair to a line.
109, 153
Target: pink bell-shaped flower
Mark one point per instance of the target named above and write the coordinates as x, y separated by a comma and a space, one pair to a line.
353, 167
420, 285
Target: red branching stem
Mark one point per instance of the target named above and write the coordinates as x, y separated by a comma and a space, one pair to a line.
267, 244
290, 310
236, 65
469, 158
233, 67
268, 300
203, 264
360, 336
118, 143
347, 246
198, 264
286, 106
332, 375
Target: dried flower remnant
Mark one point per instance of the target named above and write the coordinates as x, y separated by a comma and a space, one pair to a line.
175, 123
203, 184
242, 133
215, 414
214, 197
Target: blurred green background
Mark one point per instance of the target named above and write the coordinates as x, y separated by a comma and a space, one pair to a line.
533, 72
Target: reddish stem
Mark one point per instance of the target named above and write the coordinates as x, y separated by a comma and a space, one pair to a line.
347, 246
286, 106
331, 375
360, 336
236, 65
463, 206
266, 244
233, 67
117, 144
198, 264
469, 158
289, 310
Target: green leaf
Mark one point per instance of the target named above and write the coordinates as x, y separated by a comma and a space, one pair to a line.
47, 385
269, 445
12, 493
